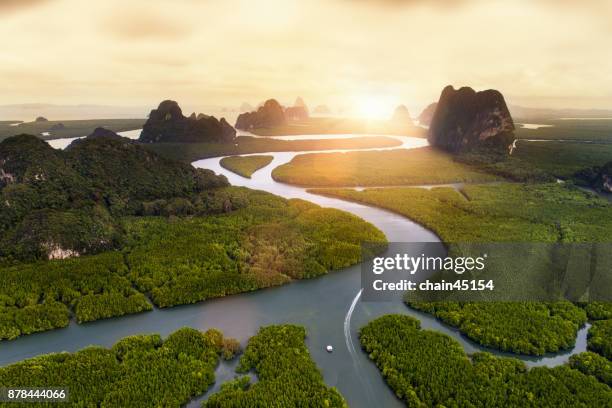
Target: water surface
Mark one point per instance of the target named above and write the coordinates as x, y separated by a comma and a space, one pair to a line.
64, 142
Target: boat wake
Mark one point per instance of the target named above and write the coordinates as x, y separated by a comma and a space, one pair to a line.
347, 326
350, 345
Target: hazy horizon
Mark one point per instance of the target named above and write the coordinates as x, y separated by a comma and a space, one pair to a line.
357, 56
29, 111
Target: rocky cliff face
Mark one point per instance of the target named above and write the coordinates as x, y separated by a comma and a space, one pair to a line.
465, 119
269, 115
427, 115
167, 124
401, 115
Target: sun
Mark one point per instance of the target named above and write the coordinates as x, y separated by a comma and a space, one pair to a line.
373, 107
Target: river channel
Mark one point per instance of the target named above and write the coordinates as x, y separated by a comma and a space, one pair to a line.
329, 307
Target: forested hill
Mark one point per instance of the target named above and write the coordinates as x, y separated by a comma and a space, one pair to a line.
56, 203
125, 173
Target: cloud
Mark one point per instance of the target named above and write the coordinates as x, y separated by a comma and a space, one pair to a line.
11, 6
145, 24
409, 3
226, 51
161, 60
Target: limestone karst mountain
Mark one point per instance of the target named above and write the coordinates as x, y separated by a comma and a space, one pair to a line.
167, 124
299, 103
427, 115
465, 119
60, 203
268, 115
299, 110
401, 115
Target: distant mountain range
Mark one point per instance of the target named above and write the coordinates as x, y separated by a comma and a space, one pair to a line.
29, 111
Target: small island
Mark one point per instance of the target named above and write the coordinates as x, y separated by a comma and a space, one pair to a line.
245, 166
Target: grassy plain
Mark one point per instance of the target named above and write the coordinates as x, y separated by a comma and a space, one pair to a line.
540, 161
70, 128
188, 152
332, 125
506, 212
530, 162
424, 165
596, 130
245, 166
566, 148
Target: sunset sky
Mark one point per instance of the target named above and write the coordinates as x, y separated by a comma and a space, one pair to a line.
339, 52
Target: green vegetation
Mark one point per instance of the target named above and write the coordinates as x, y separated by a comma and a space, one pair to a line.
137, 225
265, 241
235, 240
426, 368
395, 167
287, 376
138, 371
327, 125
595, 178
230, 348
496, 213
67, 128
54, 202
600, 338
562, 159
569, 129
540, 161
245, 166
593, 364
37, 297
503, 213
524, 328
598, 310
529, 162
189, 152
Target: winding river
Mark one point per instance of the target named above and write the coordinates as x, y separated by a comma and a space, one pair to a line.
329, 307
